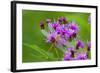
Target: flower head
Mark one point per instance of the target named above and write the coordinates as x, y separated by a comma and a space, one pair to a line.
67, 56
51, 37
61, 41
70, 33
65, 20
81, 56
74, 27
72, 50
55, 25
62, 20
79, 44
72, 30
60, 30
42, 25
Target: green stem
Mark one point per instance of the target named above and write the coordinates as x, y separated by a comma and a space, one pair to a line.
56, 52
51, 47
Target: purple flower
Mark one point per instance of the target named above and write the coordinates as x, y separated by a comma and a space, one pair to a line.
72, 50
62, 20
61, 41
64, 32
79, 44
74, 34
61, 30
72, 30
67, 56
55, 25
69, 33
65, 20
51, 37
89, 46
54, 37
81, 56
74, 27
58, 30
70, 54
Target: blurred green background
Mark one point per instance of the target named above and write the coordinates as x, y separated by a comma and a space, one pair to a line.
34, 48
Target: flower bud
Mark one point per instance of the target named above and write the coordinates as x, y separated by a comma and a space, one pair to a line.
42, 25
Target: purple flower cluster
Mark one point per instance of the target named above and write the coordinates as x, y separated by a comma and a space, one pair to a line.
73, 56
62, 32
74, 53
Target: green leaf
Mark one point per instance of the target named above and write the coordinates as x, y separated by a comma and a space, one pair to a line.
40, 52
36, 48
